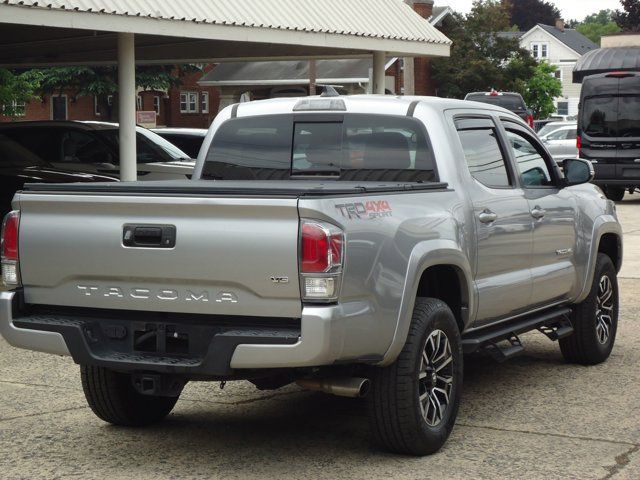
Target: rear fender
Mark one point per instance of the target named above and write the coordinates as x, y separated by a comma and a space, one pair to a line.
428, 254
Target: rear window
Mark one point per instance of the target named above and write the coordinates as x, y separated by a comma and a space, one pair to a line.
629, 116
600, 116
510, 102
347, 147
612, 116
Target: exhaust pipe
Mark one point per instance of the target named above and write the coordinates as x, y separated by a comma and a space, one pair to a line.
343, 386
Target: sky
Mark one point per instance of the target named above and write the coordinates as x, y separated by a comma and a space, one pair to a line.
570, 9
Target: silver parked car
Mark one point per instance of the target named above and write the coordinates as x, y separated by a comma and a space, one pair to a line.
561, 140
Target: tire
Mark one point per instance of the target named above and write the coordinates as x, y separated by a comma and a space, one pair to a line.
614, 193
595, 320
113, 398
398, 420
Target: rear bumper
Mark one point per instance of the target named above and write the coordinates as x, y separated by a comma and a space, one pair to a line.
209, 350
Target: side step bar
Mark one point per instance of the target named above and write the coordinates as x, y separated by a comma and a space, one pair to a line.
502, 341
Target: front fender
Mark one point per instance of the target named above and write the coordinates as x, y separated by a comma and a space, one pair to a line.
424, 255
602, 225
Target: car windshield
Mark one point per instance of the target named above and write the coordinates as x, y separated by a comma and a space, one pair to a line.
150, 146
510, 102
350, 147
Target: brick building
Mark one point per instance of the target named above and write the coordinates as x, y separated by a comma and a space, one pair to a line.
187, 105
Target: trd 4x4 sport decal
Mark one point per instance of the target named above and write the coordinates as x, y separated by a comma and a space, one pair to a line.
366, 210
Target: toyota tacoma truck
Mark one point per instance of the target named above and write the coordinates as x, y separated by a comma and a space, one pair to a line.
352, 245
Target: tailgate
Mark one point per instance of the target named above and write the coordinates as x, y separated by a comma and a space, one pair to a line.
226, 251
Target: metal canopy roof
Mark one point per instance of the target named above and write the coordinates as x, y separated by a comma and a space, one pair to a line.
287, 72
605, 60
56, 32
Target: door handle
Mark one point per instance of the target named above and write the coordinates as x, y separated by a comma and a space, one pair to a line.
538, 212
487, 216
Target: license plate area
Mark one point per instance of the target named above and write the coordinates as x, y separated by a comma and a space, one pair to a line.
160, 338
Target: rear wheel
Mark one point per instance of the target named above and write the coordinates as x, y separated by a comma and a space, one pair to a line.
414, 402
113, 398
614, 193
595, 320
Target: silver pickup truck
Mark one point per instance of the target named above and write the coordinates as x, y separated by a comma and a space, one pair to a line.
354, 245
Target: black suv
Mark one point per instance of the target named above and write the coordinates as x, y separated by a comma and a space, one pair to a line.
609, 130
509, 100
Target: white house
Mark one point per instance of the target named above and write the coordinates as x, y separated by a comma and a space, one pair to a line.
561, 47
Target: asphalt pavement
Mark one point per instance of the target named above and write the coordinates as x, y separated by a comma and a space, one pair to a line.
532, 417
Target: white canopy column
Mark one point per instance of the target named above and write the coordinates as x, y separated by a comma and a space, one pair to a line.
379, 60
127, 106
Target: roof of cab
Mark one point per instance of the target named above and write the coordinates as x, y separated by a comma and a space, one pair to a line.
374, 104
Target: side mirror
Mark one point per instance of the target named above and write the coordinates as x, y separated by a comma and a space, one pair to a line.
577, 171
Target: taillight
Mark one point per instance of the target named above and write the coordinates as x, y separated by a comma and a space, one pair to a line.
530, 121
9, 249
321, 256
579, 144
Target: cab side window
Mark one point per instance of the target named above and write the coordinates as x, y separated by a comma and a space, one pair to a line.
482, 152
530, 162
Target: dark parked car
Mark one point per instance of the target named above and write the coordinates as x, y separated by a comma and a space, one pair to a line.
609, 130
93, 147
19, 165
509, 100
188, 140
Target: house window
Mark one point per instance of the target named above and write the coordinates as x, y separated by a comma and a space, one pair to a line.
96, 110
16, 109
540, 50
558, 74
563, 108
156, 104
205, 102
139, 102
189, 102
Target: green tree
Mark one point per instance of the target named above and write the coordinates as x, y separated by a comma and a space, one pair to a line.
628, 19
16, 88
596, 25
540, 90
595, 31
526, 14
481, 57
602, 17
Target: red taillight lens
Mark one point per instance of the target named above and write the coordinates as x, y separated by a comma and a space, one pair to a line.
579, 143
321, 248
315, 248
9, 239
530, 121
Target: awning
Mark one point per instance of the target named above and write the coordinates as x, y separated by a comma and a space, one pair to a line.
59, 32
621, 59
